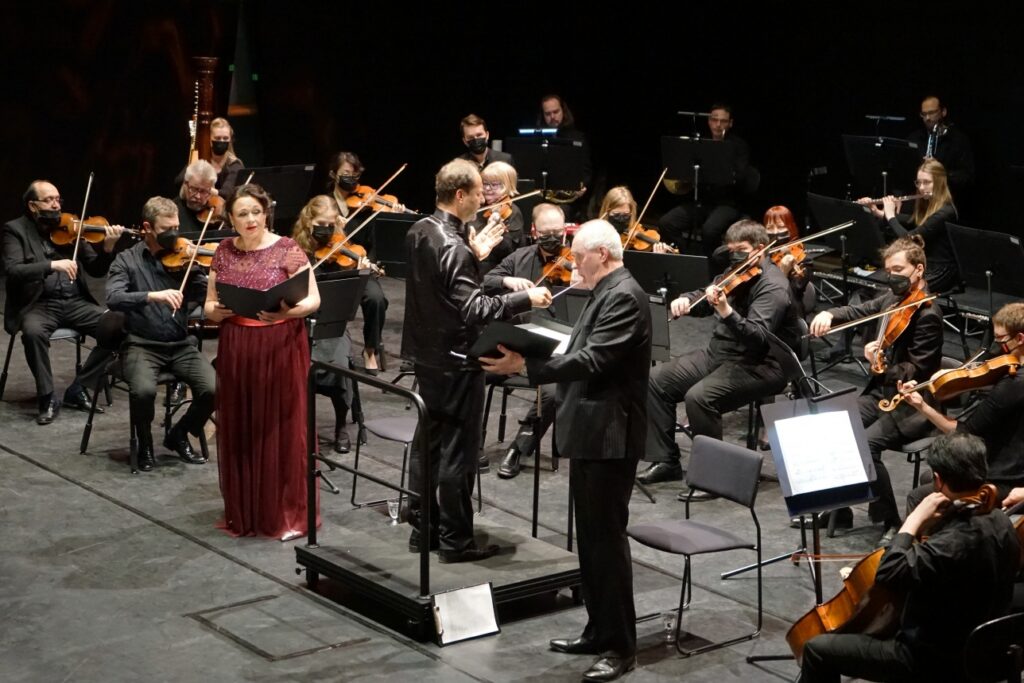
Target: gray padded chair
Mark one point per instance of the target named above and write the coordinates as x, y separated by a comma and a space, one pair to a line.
728, 471
60, 334
995, 650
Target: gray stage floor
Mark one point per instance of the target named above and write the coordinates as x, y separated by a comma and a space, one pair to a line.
109, 576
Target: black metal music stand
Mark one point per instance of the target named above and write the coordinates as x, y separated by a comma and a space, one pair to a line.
701, 162
881, 165
388, 239
340, 294
674, 273
289, 186
552, 163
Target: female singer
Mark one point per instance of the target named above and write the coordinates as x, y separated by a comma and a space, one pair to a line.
931, 213
261, 378
781, 226
345, 171
500, 180
317, 223
619, 209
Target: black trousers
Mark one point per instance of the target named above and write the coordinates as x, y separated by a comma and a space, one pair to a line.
142, 364
887, 431
714, 220
39, 322
374, 306
529, 436
455, 405
829, 656
600, 491
710, 386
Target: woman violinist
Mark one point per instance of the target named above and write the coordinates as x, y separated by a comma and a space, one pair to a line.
345, 172
914, 354
932, 210
316, 229
997, 415
500, 181
619, 209
781, 226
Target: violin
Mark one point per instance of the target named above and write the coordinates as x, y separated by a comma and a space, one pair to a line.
796, 250
504, 211
214, 207
862, 606
559, 269
743, 272
178, 258
894, 324
642, 239
93, 229
347, 256
947, 384
364, 195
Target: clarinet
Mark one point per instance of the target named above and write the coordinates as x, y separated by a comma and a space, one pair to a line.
933, 138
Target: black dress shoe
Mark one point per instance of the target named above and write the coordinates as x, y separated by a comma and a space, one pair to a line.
697, 497
80, 401
483, 464
661, 471
177, 441
576, 646
48, 412
147, 461
414, 542
470, 554
609, 668
342, 443
509, 466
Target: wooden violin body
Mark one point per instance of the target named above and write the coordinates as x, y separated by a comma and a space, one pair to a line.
179, 257
347, 255
559, 270
951, 383
93, 229
364, 195
895, 324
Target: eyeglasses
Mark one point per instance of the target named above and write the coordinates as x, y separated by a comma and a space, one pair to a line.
198, 191
50, 200
1004, 339
494, 186
928, 114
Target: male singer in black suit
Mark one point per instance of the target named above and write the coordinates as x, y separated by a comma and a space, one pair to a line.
45, 291
602, 380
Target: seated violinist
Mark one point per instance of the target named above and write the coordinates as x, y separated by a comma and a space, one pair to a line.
317, 228
619, 209
735, 368
477, 138
156, 317
781, 227
197, 194
997, 415
45, 291
960, 576
500, 181
910, 349
345, 171
518, 272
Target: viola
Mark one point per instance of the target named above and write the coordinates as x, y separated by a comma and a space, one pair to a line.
179, 257
214, 208
93, 229
894, 324
346, 256
947, 384
364, 195
559, 269
862, 606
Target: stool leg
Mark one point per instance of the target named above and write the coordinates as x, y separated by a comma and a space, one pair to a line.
87, 432
503, 416
133, 442
401, 481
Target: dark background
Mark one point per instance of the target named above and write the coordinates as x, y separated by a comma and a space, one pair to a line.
107, 86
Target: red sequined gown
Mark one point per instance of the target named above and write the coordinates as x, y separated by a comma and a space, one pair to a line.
261, 404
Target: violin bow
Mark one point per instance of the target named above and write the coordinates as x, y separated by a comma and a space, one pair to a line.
510, 200
873, 316
631, 233
192, 259
751, 260
800, 240
81, 225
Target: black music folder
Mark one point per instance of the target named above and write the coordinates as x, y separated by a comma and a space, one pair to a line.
522, 341
249, 302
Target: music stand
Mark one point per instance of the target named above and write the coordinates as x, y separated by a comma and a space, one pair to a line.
821, 454
289, 186
864, 239
340, 294
674, 273
880, 165
388, 239
992, 266
700, 161
552, 163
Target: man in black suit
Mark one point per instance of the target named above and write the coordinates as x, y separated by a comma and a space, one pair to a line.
477, 138
602, 380
44, 292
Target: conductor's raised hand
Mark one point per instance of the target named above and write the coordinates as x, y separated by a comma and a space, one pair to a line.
540, 297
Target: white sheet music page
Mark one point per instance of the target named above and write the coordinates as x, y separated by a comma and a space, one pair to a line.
560, 337
820, 452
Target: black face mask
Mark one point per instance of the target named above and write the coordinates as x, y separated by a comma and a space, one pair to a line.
48, 218
550, 243
738, 257
323, 233
348, 182
168, 239
220, 147
619, 221
477, 145
899, 284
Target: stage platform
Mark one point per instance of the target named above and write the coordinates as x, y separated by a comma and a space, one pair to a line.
376, 574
